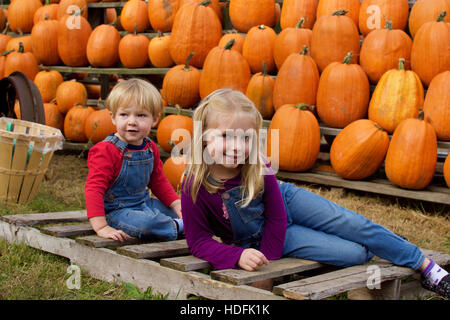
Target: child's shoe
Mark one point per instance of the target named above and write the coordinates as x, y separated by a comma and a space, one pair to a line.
442, 288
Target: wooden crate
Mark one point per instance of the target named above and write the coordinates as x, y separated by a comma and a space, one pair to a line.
168, 267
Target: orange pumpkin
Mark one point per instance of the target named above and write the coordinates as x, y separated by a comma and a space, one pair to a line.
332, 37
4, 39
2, 19
412, 154
68, 7
26, 43
133, 50
381, 50
258, 48
21, 61
173, 169
297, 81
197, 29
134, 15
299, 137
430, 53
359, 149
102, 48
2, 62
181, 85
70, 93
398, 95
166, 128
238, 41
44, 42
161, 13
437, 105
447, 171
47, 82
291, 40
75, 121
158, 51
245, 14
99, 125
224, 68
47, 12
326, 7
343, 93
260, 92
216, 5
424, 11
21, 13
293, 10
374, 13
53, 117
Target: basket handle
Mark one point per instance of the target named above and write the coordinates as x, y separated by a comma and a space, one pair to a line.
30, 100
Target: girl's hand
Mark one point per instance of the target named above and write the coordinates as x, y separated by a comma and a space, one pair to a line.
252, 259
176, 206
111, 233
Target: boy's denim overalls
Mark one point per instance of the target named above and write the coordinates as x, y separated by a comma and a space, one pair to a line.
128, 206
320, 230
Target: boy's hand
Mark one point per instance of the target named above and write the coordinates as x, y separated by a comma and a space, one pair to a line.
252, 259
110, 232
176, 206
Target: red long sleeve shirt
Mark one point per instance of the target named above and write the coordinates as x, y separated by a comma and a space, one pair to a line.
104, 163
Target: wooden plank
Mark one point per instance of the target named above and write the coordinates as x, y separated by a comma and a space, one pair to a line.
185, 263
98, 242
368, 186
276, 268
155, 250
137, 71
332, 283
31, 219
69, 230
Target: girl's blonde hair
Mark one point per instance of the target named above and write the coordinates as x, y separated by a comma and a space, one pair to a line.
135, 91
228, 104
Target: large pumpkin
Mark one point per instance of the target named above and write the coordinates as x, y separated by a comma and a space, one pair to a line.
103, 46
258, 47
245, 14
21, 13
359, 149
166, 128
197, 29
412, 154
71, 6
44, 41
447, 171
133, 50
73, 35
291, 40
21, 61
161, 13
374, 13
424, 11
98, 125
75, 121
381, 50
430, 53
343, 93
398, 95
298, 138
181, 85
47, 12
158, 51
327, 7
135, 15
47, 82
437, 105
224, 68
297, 81
70, 93
260, 92
293, 10
332, 37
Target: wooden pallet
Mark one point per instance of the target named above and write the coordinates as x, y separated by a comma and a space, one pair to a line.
168, 267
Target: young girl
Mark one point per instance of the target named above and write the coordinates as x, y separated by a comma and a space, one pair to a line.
122, 167
259, 218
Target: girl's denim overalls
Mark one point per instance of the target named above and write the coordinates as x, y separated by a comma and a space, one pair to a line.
320, 230
128, 205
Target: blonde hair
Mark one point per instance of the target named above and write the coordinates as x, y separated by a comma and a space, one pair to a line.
226, 102
138, 91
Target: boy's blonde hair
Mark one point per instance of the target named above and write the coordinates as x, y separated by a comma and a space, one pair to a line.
135, 91
219, 105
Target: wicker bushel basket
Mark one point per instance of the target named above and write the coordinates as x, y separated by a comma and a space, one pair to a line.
26, 149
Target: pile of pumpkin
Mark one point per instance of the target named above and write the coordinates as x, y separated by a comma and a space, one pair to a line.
318, 60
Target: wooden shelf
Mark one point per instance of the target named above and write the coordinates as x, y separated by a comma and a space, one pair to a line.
107, 70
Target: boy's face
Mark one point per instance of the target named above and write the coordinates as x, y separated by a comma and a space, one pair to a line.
133, 124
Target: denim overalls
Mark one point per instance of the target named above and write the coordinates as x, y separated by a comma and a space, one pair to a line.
319, 230
128, 205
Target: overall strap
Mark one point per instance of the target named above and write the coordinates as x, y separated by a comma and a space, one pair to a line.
117, 142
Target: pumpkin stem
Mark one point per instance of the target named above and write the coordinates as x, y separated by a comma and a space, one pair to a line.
348, 58
264, 71
441, 16
229, 44
21, 49
20, 31
340, 13
305, 50
4, 53
421, 115
378, 127
300, 23
205, 2
304, 106
53, 101
135, 29
401, 64
261, 26
388, 25
188, 59
5, 31
177, 106
46, 17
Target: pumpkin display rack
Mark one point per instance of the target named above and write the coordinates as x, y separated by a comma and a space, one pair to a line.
322, 172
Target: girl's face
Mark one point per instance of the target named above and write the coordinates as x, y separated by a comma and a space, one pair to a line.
133, 124
229, 143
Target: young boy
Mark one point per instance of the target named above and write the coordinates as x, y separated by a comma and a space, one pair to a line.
122, 167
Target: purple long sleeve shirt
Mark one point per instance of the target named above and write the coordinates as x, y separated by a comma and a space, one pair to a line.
208, 217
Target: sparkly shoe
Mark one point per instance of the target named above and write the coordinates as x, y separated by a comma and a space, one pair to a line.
442, 288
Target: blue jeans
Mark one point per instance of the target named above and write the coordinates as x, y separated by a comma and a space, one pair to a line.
323, 231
